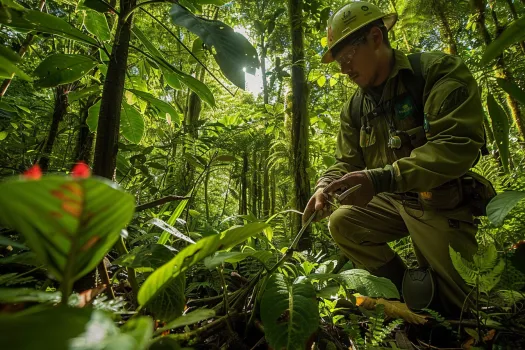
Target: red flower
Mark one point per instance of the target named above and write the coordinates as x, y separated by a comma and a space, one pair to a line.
81, 170
33, 173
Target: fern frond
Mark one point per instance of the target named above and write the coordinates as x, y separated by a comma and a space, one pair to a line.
465, 269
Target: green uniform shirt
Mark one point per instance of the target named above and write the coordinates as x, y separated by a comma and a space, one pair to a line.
452, 123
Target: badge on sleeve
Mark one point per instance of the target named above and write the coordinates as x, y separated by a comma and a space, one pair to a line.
404, 108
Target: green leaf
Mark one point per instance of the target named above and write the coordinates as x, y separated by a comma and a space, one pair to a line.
232, 51
77, 95
171, 79
97, 24
226, 158
61, 68
168, 228
6, 242
92, 119
74, 222
188, 319
170, 301
8, 60
193, 254
195, 85
171, 221
289, 313
63, 328
162, 106
27, 295
501, 205
131, 123
141, 329
18, 17
512, 89
362, 282
3, 135
97, 5
212, 262
151, 256
514, 33
500, 126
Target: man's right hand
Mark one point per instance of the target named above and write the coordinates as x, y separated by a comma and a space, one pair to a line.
318, 203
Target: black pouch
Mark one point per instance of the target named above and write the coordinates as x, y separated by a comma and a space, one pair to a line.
478, 192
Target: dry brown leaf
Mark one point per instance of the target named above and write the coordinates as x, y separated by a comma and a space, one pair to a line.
395, 309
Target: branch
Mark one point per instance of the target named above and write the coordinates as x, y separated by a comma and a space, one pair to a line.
158, 202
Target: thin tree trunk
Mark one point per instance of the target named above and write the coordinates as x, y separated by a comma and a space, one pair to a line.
84, 148
206, 198
273, 192
502, 71
21, 52
266, 141
244, 184
253, 193
106, 147
449, 35
59, 112
514, 13
300, 120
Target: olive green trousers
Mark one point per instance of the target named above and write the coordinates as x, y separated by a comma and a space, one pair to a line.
363, 234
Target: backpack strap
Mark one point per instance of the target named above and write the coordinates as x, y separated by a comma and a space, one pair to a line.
356, 109
415, 83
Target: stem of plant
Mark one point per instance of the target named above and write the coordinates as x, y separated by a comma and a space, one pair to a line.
226, 304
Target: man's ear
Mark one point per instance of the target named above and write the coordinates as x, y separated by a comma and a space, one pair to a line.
377, 37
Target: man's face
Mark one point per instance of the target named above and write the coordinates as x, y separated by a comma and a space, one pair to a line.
359, 62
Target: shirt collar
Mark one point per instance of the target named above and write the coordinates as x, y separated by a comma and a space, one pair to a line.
400, 62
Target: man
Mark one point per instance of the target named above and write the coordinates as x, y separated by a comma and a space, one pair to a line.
409, 153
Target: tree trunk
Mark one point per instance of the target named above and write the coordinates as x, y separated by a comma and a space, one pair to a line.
266, 145
502, 71
84, 148
300, 120
515, 17
106, 147
254, 194
59, 112
21, 52
244, 184
449, 35
273, 192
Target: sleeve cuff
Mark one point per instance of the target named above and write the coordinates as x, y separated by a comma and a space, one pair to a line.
382, 179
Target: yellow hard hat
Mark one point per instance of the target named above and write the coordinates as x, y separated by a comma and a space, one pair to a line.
349, 19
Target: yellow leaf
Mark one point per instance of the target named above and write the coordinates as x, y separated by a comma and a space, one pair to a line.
333, 82
324, 41
321, 81
395, 309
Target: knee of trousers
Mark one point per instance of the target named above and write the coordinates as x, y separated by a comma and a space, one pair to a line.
343, 225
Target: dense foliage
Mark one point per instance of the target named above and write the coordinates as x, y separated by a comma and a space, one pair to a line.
206, 124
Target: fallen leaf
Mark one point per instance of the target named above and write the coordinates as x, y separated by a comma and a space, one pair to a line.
395, 309
87, 296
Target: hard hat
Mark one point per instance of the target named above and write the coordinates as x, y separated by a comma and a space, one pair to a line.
349, 19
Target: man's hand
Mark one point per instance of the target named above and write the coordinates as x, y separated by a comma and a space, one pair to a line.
318, 203
362, 196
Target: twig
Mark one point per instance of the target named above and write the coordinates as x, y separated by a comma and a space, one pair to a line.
226, 304
159, 201
261, 341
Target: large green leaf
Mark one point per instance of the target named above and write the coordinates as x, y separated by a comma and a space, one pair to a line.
362, 282
92, 119
500, 126
232, 51
141, 329
131, 123
212, 262
188, 319
169, 302
195, 85
78, 94
61, 68
514, 33
193, 254
501, 205
512, 89
165, 236
63, 328
24, 295
15, 16
8, 60
97, 24
146, 256
97, 5
163, 107
289, 313
70, 224
168, 228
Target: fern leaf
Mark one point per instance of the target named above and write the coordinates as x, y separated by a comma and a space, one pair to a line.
464, 267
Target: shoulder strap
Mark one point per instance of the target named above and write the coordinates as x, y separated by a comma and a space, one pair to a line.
415, 83
356, 109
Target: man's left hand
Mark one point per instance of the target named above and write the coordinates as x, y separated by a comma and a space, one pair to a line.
362, 196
